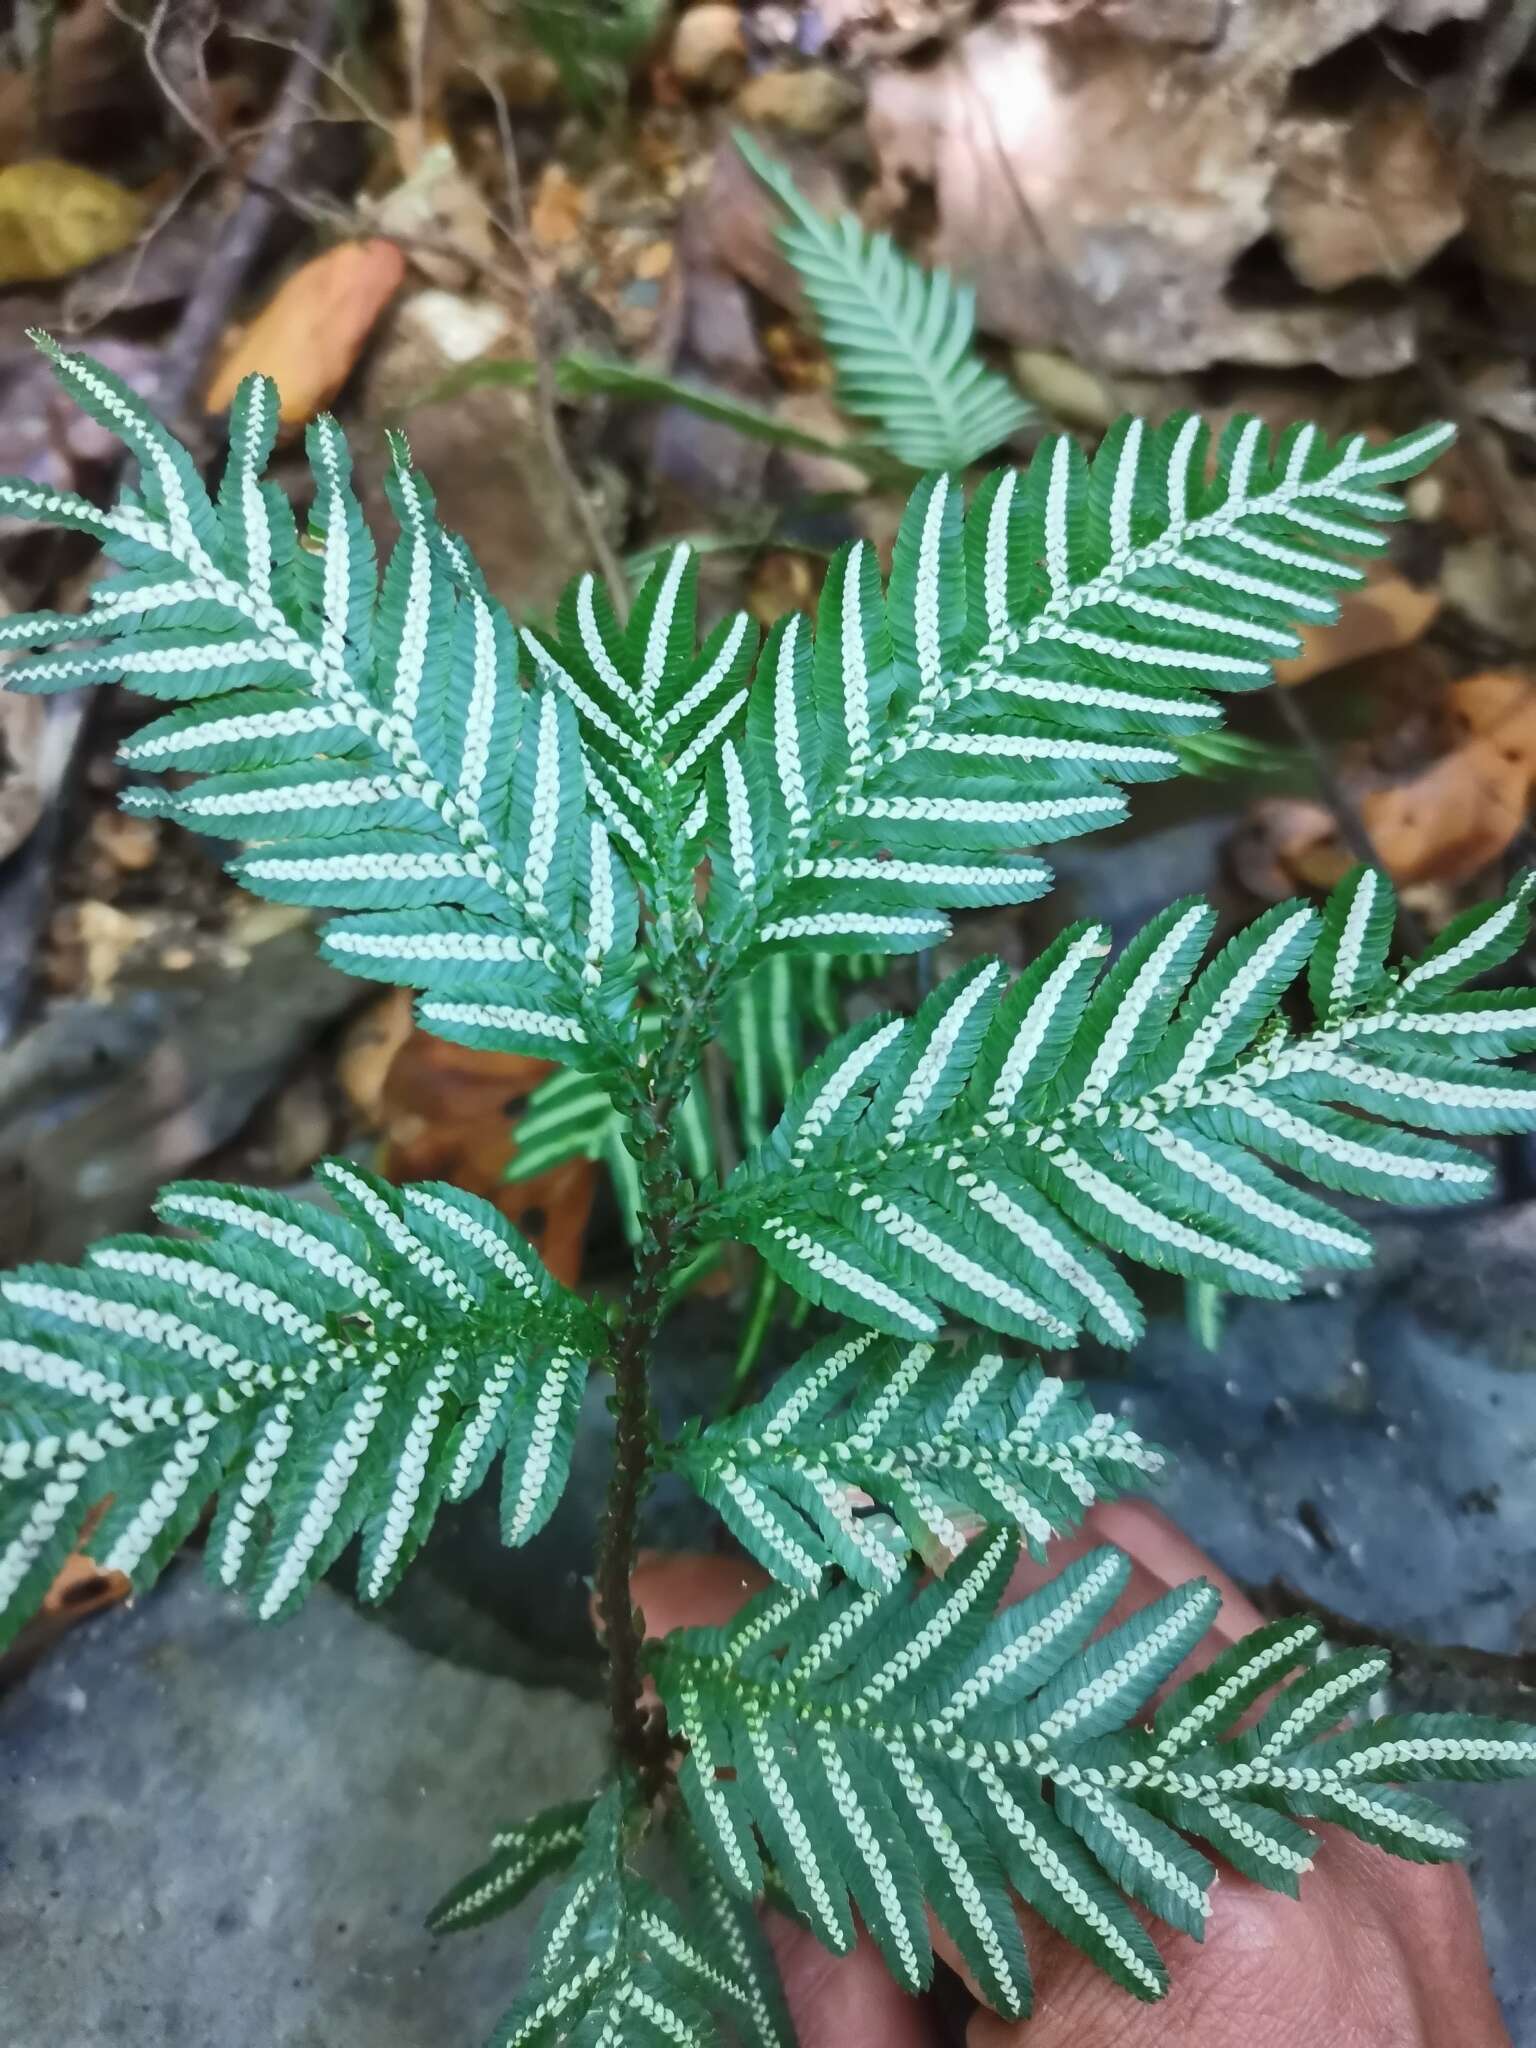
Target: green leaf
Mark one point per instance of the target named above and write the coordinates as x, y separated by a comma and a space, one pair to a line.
370, 736
615, 1959
522, 1856
881, 1739
902, 337
327, 1374
1028, 656
984, 1155
934, 1437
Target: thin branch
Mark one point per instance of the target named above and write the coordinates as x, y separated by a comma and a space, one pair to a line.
206, 313
546, 391
1347, 815
26, 888
150, 33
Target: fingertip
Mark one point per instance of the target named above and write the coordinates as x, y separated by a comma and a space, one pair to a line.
1160, 1548
848, 2001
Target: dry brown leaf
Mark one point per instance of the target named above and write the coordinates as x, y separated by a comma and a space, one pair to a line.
439, 214
1379, 616
56, 217
1286, 842
811, 102
1461, 813
312, 330
559, 208
21, 739
1444, 825
1372, 194
450, 1113
80, 1588
368, 1050
1099, 194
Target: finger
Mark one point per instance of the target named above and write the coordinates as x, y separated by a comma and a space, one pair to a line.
844, 2001
679, 1589
1375, 1954
1162, 1556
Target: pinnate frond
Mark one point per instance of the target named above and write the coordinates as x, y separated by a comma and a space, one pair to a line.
902, 338
369, 737
1027, 658
977, 1156
936, 1438
326, 1374
522, 1856
616, 1961
910, 1750
652, 707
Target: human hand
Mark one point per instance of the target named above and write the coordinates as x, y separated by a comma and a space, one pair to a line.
1376, 1953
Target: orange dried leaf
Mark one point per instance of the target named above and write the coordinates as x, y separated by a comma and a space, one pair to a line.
1461, 813
1379, 616
559, 208
312, 330
450, 1113
1444, 825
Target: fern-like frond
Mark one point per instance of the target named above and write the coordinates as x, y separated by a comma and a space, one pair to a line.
930, 1436
327, 1374
849, 788
902, 338
975, 1157
618, 1961
909, 1749
1025, 660
369, 737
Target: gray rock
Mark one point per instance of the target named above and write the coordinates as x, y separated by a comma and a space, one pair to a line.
101, 1103
221, 1833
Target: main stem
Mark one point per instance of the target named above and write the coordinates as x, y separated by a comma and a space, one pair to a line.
640, 1741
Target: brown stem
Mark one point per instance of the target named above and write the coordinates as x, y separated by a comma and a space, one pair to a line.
640, 1740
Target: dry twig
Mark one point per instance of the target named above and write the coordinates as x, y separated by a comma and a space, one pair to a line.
546, 392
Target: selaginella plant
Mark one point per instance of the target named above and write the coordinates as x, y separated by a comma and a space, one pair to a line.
525, 827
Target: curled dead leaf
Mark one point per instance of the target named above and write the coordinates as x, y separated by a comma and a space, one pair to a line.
1444, 825
1461, 813
312, 330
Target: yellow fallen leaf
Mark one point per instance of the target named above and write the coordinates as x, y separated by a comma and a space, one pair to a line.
56, 217
312, 330
559, 208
